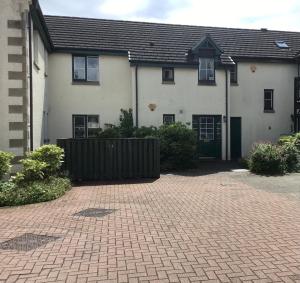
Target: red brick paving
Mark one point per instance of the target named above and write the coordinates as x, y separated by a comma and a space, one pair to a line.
177, 229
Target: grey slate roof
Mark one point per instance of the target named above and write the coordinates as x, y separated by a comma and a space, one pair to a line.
153, 42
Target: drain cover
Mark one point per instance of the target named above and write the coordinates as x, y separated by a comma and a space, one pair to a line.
95, 212
27, 242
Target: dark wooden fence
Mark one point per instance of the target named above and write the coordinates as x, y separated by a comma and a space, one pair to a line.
111, 159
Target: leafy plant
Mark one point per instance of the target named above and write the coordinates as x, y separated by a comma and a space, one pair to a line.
266, 158
33, 170
51, 155
178, 146
33, 192
290, 157
144, 132
5, 160
126, 123
109, 133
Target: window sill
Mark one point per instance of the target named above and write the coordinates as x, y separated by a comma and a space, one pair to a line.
234, 84
269, 111
85, 83
36, 65
168, 82
208, 83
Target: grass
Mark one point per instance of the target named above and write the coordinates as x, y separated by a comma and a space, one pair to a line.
33, 192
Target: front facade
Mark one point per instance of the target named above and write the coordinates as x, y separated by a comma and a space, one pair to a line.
233, 87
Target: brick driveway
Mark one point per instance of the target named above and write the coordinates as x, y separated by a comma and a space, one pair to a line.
211, 228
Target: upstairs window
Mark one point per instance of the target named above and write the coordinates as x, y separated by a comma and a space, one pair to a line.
168, 119
207, 70
85, 126
233, 74
168, 74
86, 68
269, 100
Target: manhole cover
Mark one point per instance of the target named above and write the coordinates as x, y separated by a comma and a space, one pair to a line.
27, 242
95, 212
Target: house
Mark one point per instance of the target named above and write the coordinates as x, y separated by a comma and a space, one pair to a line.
64, 77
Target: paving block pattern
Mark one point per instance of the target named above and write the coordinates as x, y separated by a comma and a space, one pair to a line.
210, 228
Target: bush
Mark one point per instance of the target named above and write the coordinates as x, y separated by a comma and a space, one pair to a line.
51, 155
265, 158
144, 132
178, 146
126, 124
290, 157
33, 170
37, 191
109, 133
5, 159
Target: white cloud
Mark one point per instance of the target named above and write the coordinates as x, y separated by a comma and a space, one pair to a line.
122, 8
272, 14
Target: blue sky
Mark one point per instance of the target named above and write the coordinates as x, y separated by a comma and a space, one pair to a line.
272, 14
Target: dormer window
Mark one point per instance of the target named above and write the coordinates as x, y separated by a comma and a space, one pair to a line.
281, 44
206, 70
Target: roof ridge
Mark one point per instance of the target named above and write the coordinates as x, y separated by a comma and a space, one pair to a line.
170, 24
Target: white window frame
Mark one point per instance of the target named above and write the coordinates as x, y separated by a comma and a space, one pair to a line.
203, 131
86, 68
86, 126
203, 66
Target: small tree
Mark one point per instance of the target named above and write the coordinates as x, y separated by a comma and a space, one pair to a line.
126, 123
178, 146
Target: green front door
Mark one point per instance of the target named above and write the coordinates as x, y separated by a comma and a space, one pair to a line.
236, 137
209, 135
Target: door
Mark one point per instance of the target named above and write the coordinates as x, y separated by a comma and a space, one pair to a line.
209, 135
297, 105
236, 137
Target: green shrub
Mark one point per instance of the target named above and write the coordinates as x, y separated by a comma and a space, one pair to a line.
52, 155
265, 158
37, 191
109, 133
144, 132
178, 146
290, 157
33, 170
5, 159
126, 124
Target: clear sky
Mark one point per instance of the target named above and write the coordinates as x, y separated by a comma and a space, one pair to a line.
271, 14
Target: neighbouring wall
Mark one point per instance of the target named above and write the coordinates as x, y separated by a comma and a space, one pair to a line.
247, 101
106, 99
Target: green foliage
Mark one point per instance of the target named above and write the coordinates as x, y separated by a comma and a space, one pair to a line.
126, 124
177, 145
33, 170
144, 132
109, 133
265, 158
51, 155
38, 191
5, 160
290, 157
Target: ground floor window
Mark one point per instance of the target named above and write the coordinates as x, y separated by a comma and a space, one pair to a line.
85, 126
168, 119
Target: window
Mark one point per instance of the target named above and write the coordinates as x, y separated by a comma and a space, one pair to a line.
206, 128
233, 74
207, 70
85, 126
35, 47
168, 74
281, 44
269, 100
86, 68
168, 119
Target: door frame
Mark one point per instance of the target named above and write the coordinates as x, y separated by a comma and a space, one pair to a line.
241, 136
